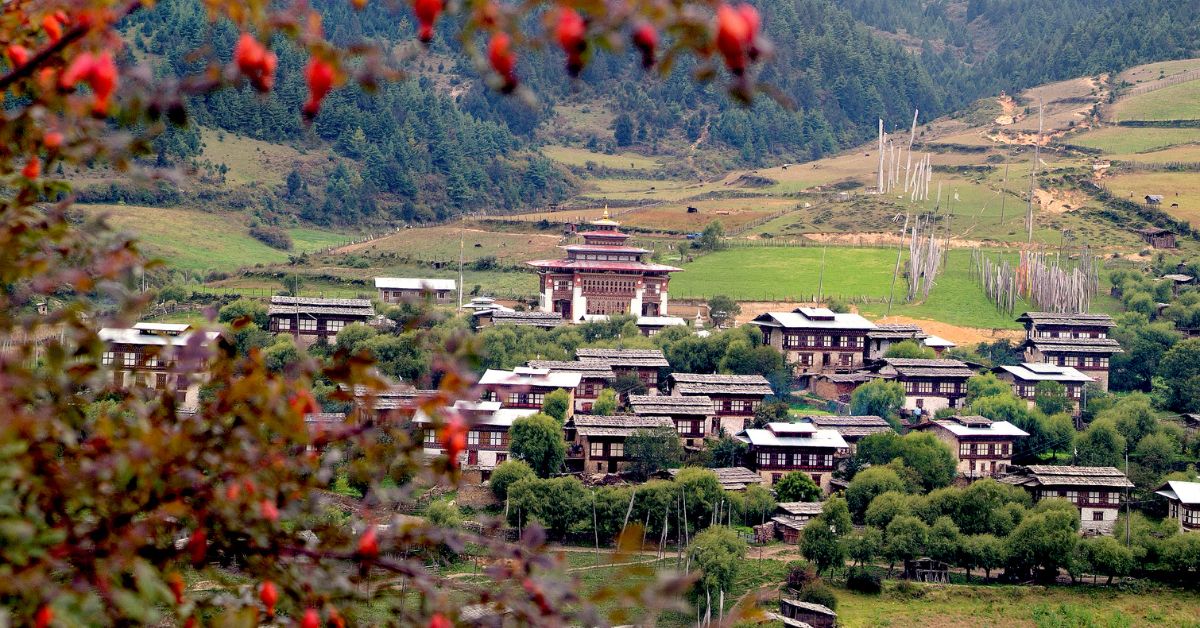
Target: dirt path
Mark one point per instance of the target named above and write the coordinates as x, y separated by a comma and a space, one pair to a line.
954, 333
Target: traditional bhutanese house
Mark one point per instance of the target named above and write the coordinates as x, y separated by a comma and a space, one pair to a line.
396, 402
651, 325
645, 363
1157, 237
310, 319
1178, 280
791, 518
781, 448
797, 614
982, 447
735, 398
1059, 325
602, 438
525, 387
545, 320
1095, 490
594, 377
689, 414
817, 339
1183, 503
852, 428
882, 337
1191, 423
602, 276
929, 385
1025, 377
938, 344
838, 386
730, 478
400, 289
487, 436
1081, 342
322, 422
162, 357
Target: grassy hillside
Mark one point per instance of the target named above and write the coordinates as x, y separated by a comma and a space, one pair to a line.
1176, 102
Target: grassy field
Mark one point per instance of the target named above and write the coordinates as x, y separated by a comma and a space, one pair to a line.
442, 244
1177, 102
1155, 71
1176, 187
1189, 153
196, 240
249, 160
1124, 140
495, 283
787, 274
572, 156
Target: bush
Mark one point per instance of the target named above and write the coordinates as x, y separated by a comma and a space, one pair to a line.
906, 590
506, 474
800, 575
819, 593
273, 237
863, 580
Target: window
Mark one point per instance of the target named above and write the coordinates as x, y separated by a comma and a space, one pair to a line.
109, 358
473, 437
308, 324
1098, 515
333, 327
596, 450
430, 437
827, 341
791, 341
283, 324
160, 381
152, 361
1191, 518
616, 450
964, 449
764, 459
924, 387
130, 358
805, 359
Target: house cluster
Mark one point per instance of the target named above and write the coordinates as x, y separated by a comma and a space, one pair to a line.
835, 353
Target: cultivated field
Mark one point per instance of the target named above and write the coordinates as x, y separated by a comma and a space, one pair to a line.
441, 244
1176, 102
1176, 187
1124, 140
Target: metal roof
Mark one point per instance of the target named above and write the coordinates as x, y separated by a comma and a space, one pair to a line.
1184, 492
525, 376
588, 370
779, 435
167, 328
134, 336
798, 320
579, 264
963, 426
414, 283
660, 321
938, 341
480, 414
1039, 371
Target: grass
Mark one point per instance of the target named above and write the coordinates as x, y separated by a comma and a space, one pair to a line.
1048, 607
1176, 187
1118, 140
572, 156
1177, 102
197, 240
787, 274
251, 161
442, 244
332, 282
1155, 71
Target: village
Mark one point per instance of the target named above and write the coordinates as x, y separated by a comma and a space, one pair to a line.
870, 423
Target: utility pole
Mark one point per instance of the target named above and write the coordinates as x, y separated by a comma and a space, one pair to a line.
1126, 499
461, 244
1037, 160
821, 279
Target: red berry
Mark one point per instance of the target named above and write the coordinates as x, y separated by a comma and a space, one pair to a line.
175, 581
52, 140
311, 619
269, 596
571, 31
256, 62
503, 60
427, 12
98, 71
18, 54
53, 27
43, 616
198, 546
335, 618
733, 37
439, 621
646, 40
319, 75
368, 545
454, 438
32, 169
268, 510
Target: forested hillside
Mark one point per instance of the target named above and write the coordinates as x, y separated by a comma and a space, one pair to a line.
442, 143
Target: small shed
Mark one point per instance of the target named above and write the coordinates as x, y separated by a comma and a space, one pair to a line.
1154, 199
1157, 237
815, 615
927, 570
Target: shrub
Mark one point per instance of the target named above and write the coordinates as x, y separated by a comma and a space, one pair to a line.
819, 593
863, 580
273, 237
800, 575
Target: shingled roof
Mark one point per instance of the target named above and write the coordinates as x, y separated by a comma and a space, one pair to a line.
810, 509
1081, 319
913, 367
692, 405
1104, 346
618, 425
897, 331
718, 384
731, 478
281, 305
528, 318
1038, 475
851, 427
624, 357
588, 370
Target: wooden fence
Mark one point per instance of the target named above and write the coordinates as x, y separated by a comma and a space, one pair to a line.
1159, 84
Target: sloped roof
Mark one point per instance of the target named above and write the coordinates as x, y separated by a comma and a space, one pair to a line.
618, 425
777, 435
937, 341
798, 320
731, 478
525, 376
811, 509
1038, 372
914, 367
851, 426
1106, 346
414, 283
134, 336
712, 384
692, 405
588, 370
1184, 492
527, 318
811, 607
897, 331
1066, 475
481, 414
312, 305
1080, 319
660, 321
624, 357
972, 426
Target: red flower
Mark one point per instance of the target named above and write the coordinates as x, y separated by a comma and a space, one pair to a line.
368, 545
737, 30
427, 12
570, 32
503, 60
269, 596
319, 75
268, 510
32, 169
646, 40
311, 619
454, 438
439, 621
18, 54
256, 62
43, 616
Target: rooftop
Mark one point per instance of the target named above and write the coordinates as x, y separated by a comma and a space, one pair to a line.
660, 321
851, 426
586, 369
731, 478
577, 264
619, 425
1106, 346
624, 357
813, 318
694, 405
1066, 475
528, 318
413, 283
976, 426
914, 367
1079, 319
896, 331
1038, 372
170, 329
313, 305
136, 336
792, 435
526, 376
715, 384
802, 508
938, 341
481, 413
1184, 492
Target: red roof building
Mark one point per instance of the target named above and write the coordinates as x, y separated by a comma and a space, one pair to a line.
603, 276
